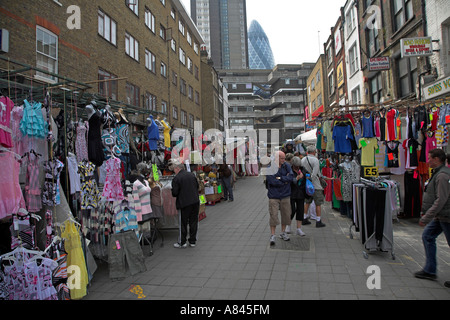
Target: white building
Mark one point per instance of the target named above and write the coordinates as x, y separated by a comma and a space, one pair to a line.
352, 54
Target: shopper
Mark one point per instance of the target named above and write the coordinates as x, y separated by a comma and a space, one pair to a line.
279, 193
312, 166
435, 211
225, 177
298, 194
185, 190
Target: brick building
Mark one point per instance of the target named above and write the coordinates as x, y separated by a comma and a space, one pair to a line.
152, 47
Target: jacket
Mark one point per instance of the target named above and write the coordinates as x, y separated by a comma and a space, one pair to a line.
224, 171
298, 188
279, 184
185, 189
436, 198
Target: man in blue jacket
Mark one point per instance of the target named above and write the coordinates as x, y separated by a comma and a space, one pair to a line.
279, 193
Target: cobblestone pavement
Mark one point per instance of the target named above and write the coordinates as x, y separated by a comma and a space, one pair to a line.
234, 261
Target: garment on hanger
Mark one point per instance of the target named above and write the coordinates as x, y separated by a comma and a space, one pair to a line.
112, 189
141, 198
74, 175
11, 199
6, 106
368, 148
33, 123
81, 142
392, 154
50, 192
342, 136
123, 138
367, 125
166, 134
95, 146
32, 190
90, 196
391, 117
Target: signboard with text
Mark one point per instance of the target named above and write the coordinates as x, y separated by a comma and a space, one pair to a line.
436, 89
379, 63
416, 47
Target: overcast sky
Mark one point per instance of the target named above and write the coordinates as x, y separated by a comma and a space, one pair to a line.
295, 28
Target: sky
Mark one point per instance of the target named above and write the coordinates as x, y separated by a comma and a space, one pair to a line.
295, 28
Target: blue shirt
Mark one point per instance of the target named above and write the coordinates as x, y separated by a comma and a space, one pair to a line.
342, 136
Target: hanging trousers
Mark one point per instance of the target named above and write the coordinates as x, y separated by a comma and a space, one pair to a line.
412, 196
375, 208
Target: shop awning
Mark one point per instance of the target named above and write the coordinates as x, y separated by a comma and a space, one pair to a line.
317, 112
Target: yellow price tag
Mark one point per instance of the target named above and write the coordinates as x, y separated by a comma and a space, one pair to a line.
371, 171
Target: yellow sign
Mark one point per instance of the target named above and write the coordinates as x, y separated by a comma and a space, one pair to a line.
137, 290
340, 74
371, 171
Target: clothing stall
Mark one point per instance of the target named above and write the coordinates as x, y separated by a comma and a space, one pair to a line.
75, 189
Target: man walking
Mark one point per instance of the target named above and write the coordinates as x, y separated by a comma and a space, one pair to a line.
435, 211
185, 190
312, 165
225, 177
279, 193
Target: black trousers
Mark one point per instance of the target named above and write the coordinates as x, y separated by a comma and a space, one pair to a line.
375, 208
412, 196
298, 209
189, 217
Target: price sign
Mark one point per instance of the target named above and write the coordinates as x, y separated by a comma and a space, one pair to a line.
371, 171
155, 172
202, 199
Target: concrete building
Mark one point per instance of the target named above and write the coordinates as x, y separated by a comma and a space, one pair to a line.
223, 25
151, 47
268, 99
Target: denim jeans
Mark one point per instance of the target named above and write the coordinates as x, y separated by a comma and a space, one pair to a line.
227, 188
431, 232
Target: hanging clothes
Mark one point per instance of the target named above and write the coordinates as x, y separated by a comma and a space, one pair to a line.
50, 192
90, 196
95, 146
342, 136
6, 106
32, 190
166, 134
33, 123
74, 176
392, 154
368, 148
11, 199
81, 142
367, 125
112, 189
141, 198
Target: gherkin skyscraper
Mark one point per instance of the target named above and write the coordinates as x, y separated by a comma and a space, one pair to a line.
260, 54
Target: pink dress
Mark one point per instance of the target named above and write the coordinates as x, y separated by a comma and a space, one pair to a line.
81, 143
11, 199
6, 105
112, 190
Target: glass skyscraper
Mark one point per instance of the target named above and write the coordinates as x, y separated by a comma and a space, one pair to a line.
260, 54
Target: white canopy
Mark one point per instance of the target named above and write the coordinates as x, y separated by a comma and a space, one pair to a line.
307, 137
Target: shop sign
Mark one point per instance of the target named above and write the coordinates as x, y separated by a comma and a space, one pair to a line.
379, 63
371, 171
416, 47
340, 74
436, 89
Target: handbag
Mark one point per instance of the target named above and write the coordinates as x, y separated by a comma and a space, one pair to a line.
309, 188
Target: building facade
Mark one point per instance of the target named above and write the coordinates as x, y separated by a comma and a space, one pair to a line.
317, 91
151, 48
223, 25
268, 99
260, 53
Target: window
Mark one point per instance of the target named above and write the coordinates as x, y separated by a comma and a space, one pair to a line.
196, 47
163, 107
318, 76
163, 69
182, 56
188, 38
191, 121
149, 19
353, 55
356, 96
174, 78
150, 61
162, 32
376, 89
330, 56
373, 41
183, 86
183, 118
150, 102
287, 81
163, 2
181, 27
173, 14
46, 52
191, 93
134, 6
107, 88
407, 74
174, 112
197, 97
131, 47
133, 94
331, 83
403, 11
173, 45
107, 27
350, 19
189, 64
312, 84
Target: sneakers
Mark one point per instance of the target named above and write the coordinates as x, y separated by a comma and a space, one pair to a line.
425, 275
320, 224
300, 233
192, 245
288, 229
284, 236
272, 240
179, 245
306, 221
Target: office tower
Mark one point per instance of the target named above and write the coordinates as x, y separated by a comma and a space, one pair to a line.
260, 54
223, 25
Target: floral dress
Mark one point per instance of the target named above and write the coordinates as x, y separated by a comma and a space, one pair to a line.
90, 196
50, 193
112, 190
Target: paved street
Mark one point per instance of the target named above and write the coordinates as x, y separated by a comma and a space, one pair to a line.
234, 261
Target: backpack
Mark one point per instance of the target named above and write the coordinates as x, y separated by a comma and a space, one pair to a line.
309, 188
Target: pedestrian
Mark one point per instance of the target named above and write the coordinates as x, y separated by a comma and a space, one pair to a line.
185, 189
435, 215
298, 195
225, 177
312, 166
279, 194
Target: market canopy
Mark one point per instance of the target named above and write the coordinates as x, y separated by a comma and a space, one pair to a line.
307, 137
